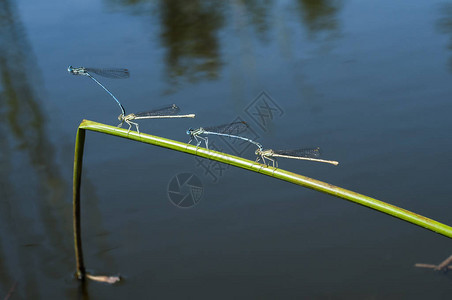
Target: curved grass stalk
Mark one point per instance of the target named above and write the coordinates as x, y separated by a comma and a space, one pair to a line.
240, 163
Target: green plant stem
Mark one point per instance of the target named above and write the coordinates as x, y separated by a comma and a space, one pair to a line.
78, 162
276, 173
244, 164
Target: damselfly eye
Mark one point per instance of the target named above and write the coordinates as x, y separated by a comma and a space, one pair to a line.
189, 131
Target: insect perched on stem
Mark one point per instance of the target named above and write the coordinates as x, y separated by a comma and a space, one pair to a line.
230, 130
310, 154
166, 112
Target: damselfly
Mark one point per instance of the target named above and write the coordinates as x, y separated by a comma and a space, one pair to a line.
230, 130
311, 154
160, 113
114, 73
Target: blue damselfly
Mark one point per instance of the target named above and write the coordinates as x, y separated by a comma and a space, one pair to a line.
115, 73
230, 130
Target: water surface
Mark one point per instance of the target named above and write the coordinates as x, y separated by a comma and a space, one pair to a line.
368, 82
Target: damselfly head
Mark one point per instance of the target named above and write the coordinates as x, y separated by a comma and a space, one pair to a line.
77, 71
189, 131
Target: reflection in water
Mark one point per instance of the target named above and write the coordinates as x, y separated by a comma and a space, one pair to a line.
15, 229
320, 17
190, 29
258, 12
445, 25
190, 36
36, 222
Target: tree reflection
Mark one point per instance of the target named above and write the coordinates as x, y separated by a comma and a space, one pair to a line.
258, 12
445, 25
35, 219
320, 16
190, 29
190, 36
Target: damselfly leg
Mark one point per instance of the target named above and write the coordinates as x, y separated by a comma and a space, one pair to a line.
124, 119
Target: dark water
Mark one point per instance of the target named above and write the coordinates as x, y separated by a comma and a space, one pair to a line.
369, 82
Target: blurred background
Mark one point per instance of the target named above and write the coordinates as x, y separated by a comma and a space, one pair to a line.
368, 82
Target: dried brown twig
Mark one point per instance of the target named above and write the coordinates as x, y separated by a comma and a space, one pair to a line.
443, 266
